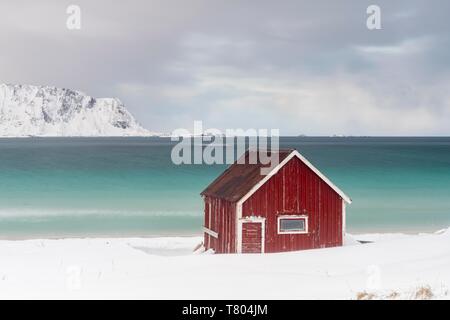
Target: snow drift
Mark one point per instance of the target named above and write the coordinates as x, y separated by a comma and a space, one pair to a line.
27, 110
395, 267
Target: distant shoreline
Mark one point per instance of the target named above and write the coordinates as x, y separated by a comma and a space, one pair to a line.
188, 234
163, 136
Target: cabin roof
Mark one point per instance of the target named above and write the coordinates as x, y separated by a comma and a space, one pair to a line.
236, 181
243, 179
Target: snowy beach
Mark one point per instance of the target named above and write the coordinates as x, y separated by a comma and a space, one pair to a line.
393, 266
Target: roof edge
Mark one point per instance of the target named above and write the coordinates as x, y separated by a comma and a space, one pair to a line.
297, 154
324, 178
205, 193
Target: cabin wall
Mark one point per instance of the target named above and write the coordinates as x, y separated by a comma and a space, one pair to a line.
220, 217
297, 190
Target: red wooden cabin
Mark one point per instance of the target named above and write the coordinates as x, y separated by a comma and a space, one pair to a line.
295, 207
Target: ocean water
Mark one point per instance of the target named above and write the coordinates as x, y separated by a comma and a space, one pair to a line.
79, 187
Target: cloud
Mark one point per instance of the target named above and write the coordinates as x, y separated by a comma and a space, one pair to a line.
319, 105
406, 47
301, 66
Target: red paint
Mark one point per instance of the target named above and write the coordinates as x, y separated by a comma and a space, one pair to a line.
251, 237
297, 190
222, 221
294, 190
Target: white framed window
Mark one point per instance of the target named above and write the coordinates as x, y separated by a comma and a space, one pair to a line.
292, 224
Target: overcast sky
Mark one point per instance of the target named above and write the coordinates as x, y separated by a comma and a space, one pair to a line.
305, 67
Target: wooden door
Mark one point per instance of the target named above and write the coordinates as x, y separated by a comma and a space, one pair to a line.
252, 237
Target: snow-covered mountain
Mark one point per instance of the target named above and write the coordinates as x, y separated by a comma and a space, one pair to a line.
27, 110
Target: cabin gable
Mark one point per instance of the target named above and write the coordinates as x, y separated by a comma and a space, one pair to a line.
295, 207
297, 191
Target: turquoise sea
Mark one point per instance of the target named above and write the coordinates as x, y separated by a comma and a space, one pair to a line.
64, 187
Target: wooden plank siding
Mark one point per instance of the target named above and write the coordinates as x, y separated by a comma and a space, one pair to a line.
222, 221
296, 190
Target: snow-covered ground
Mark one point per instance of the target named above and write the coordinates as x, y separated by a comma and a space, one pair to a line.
394, 266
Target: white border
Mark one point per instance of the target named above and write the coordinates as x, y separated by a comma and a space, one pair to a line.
238, 227
292, 217
253, 219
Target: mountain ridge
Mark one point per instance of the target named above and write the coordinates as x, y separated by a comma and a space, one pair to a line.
48, 111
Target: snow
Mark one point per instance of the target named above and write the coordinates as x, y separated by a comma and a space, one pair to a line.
27, 110
400, 267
